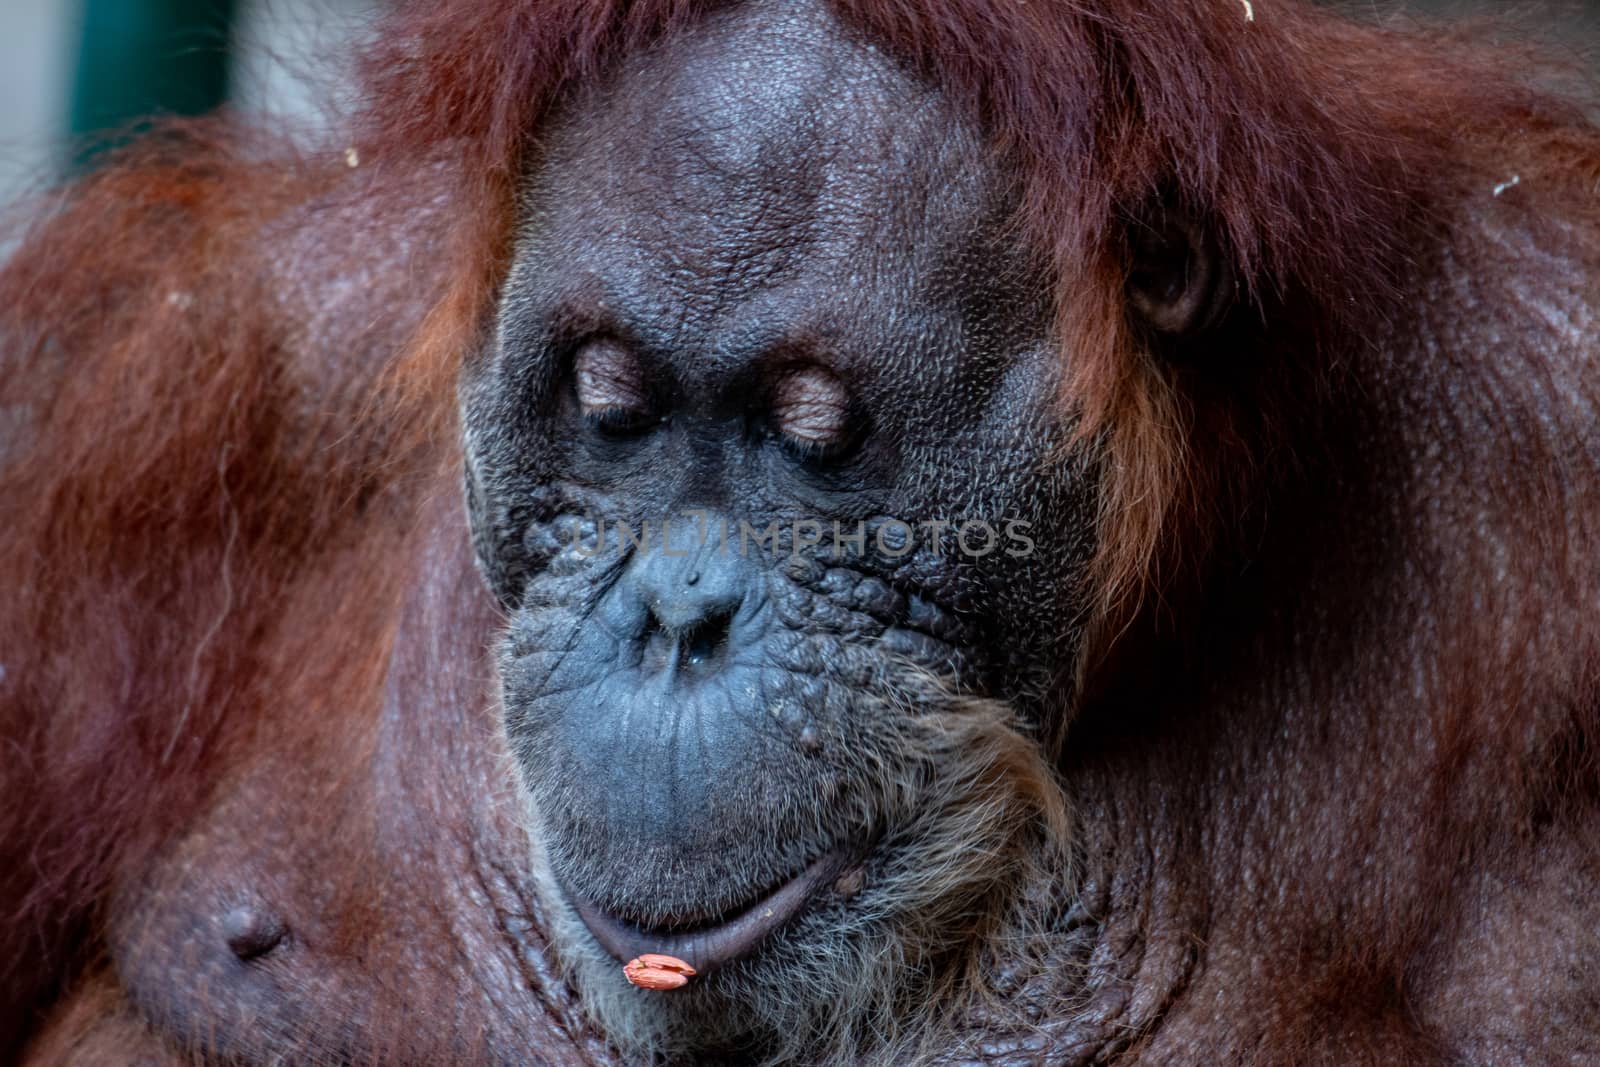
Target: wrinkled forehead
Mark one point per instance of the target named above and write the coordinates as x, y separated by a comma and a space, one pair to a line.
762, 136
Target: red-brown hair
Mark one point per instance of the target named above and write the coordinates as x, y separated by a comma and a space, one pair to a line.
229, 359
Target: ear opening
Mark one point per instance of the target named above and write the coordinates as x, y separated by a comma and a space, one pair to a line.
1180, 284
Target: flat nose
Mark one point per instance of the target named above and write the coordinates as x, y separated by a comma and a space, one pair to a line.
690, 602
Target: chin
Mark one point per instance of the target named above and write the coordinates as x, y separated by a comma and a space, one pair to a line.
864, 953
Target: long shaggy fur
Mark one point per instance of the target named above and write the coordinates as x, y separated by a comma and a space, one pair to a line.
226, 395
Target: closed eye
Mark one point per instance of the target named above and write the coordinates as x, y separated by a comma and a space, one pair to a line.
811, 412
612, 394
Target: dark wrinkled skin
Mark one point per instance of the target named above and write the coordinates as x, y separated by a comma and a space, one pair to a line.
760, 197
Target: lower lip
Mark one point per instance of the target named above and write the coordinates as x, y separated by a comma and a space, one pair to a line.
711, 947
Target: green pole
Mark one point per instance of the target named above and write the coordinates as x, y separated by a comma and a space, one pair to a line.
143, 58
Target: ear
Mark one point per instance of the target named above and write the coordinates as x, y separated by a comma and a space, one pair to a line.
1179, 283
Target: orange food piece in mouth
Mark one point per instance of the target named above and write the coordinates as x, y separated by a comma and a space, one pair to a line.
655, 971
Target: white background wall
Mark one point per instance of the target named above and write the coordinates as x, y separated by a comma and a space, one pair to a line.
279, 43
36, 46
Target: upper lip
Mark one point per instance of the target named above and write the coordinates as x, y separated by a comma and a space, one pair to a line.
707, 947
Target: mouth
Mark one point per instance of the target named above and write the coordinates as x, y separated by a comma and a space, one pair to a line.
712, 945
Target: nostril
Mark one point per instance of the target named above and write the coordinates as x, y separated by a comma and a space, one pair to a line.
694, 645
685, 609
703, 642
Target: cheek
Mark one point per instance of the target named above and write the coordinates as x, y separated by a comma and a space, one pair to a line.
1005, 539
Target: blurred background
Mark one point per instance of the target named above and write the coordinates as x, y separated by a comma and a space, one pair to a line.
72, 68
69, 68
